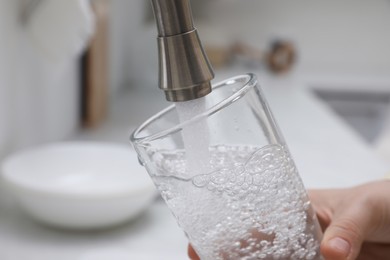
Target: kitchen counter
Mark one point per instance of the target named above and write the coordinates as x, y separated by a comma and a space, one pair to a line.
327, 152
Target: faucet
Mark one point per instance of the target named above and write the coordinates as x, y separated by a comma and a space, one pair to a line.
184, 69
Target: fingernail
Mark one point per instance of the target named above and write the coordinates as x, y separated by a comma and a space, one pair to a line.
340, 245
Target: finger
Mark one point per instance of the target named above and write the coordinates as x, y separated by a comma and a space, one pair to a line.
192, 254
346, 233
319, 200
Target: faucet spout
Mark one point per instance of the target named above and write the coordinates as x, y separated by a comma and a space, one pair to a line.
184, 69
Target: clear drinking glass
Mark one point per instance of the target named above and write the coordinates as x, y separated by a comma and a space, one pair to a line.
227, 176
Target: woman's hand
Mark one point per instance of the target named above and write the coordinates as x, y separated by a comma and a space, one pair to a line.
356, 221
191, 253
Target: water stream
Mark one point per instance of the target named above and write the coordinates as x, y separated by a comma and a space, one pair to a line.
195, 136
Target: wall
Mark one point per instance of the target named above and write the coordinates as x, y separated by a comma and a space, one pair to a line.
133, 45
333, 37
119, 22
6, 22
351, 36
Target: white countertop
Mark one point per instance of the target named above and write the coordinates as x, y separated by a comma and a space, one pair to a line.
327, 152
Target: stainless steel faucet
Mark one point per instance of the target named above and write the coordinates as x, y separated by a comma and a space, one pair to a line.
185, 71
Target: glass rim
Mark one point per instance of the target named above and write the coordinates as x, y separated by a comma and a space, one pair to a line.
250, 82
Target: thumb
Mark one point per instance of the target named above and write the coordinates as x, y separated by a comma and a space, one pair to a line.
346, 233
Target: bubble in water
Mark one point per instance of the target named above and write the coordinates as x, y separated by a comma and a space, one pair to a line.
250, 205
201, 180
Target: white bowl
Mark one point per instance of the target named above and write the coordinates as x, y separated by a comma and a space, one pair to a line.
81, 185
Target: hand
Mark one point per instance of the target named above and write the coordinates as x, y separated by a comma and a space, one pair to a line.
356, 222
191, 253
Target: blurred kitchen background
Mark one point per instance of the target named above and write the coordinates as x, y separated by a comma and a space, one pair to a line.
341, 49
91, 73
51, 87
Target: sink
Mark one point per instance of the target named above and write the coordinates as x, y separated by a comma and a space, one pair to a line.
364, 111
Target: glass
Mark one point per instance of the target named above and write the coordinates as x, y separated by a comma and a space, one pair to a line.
228, 178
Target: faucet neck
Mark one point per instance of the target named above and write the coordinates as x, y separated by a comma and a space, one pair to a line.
185, 71
172, 17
